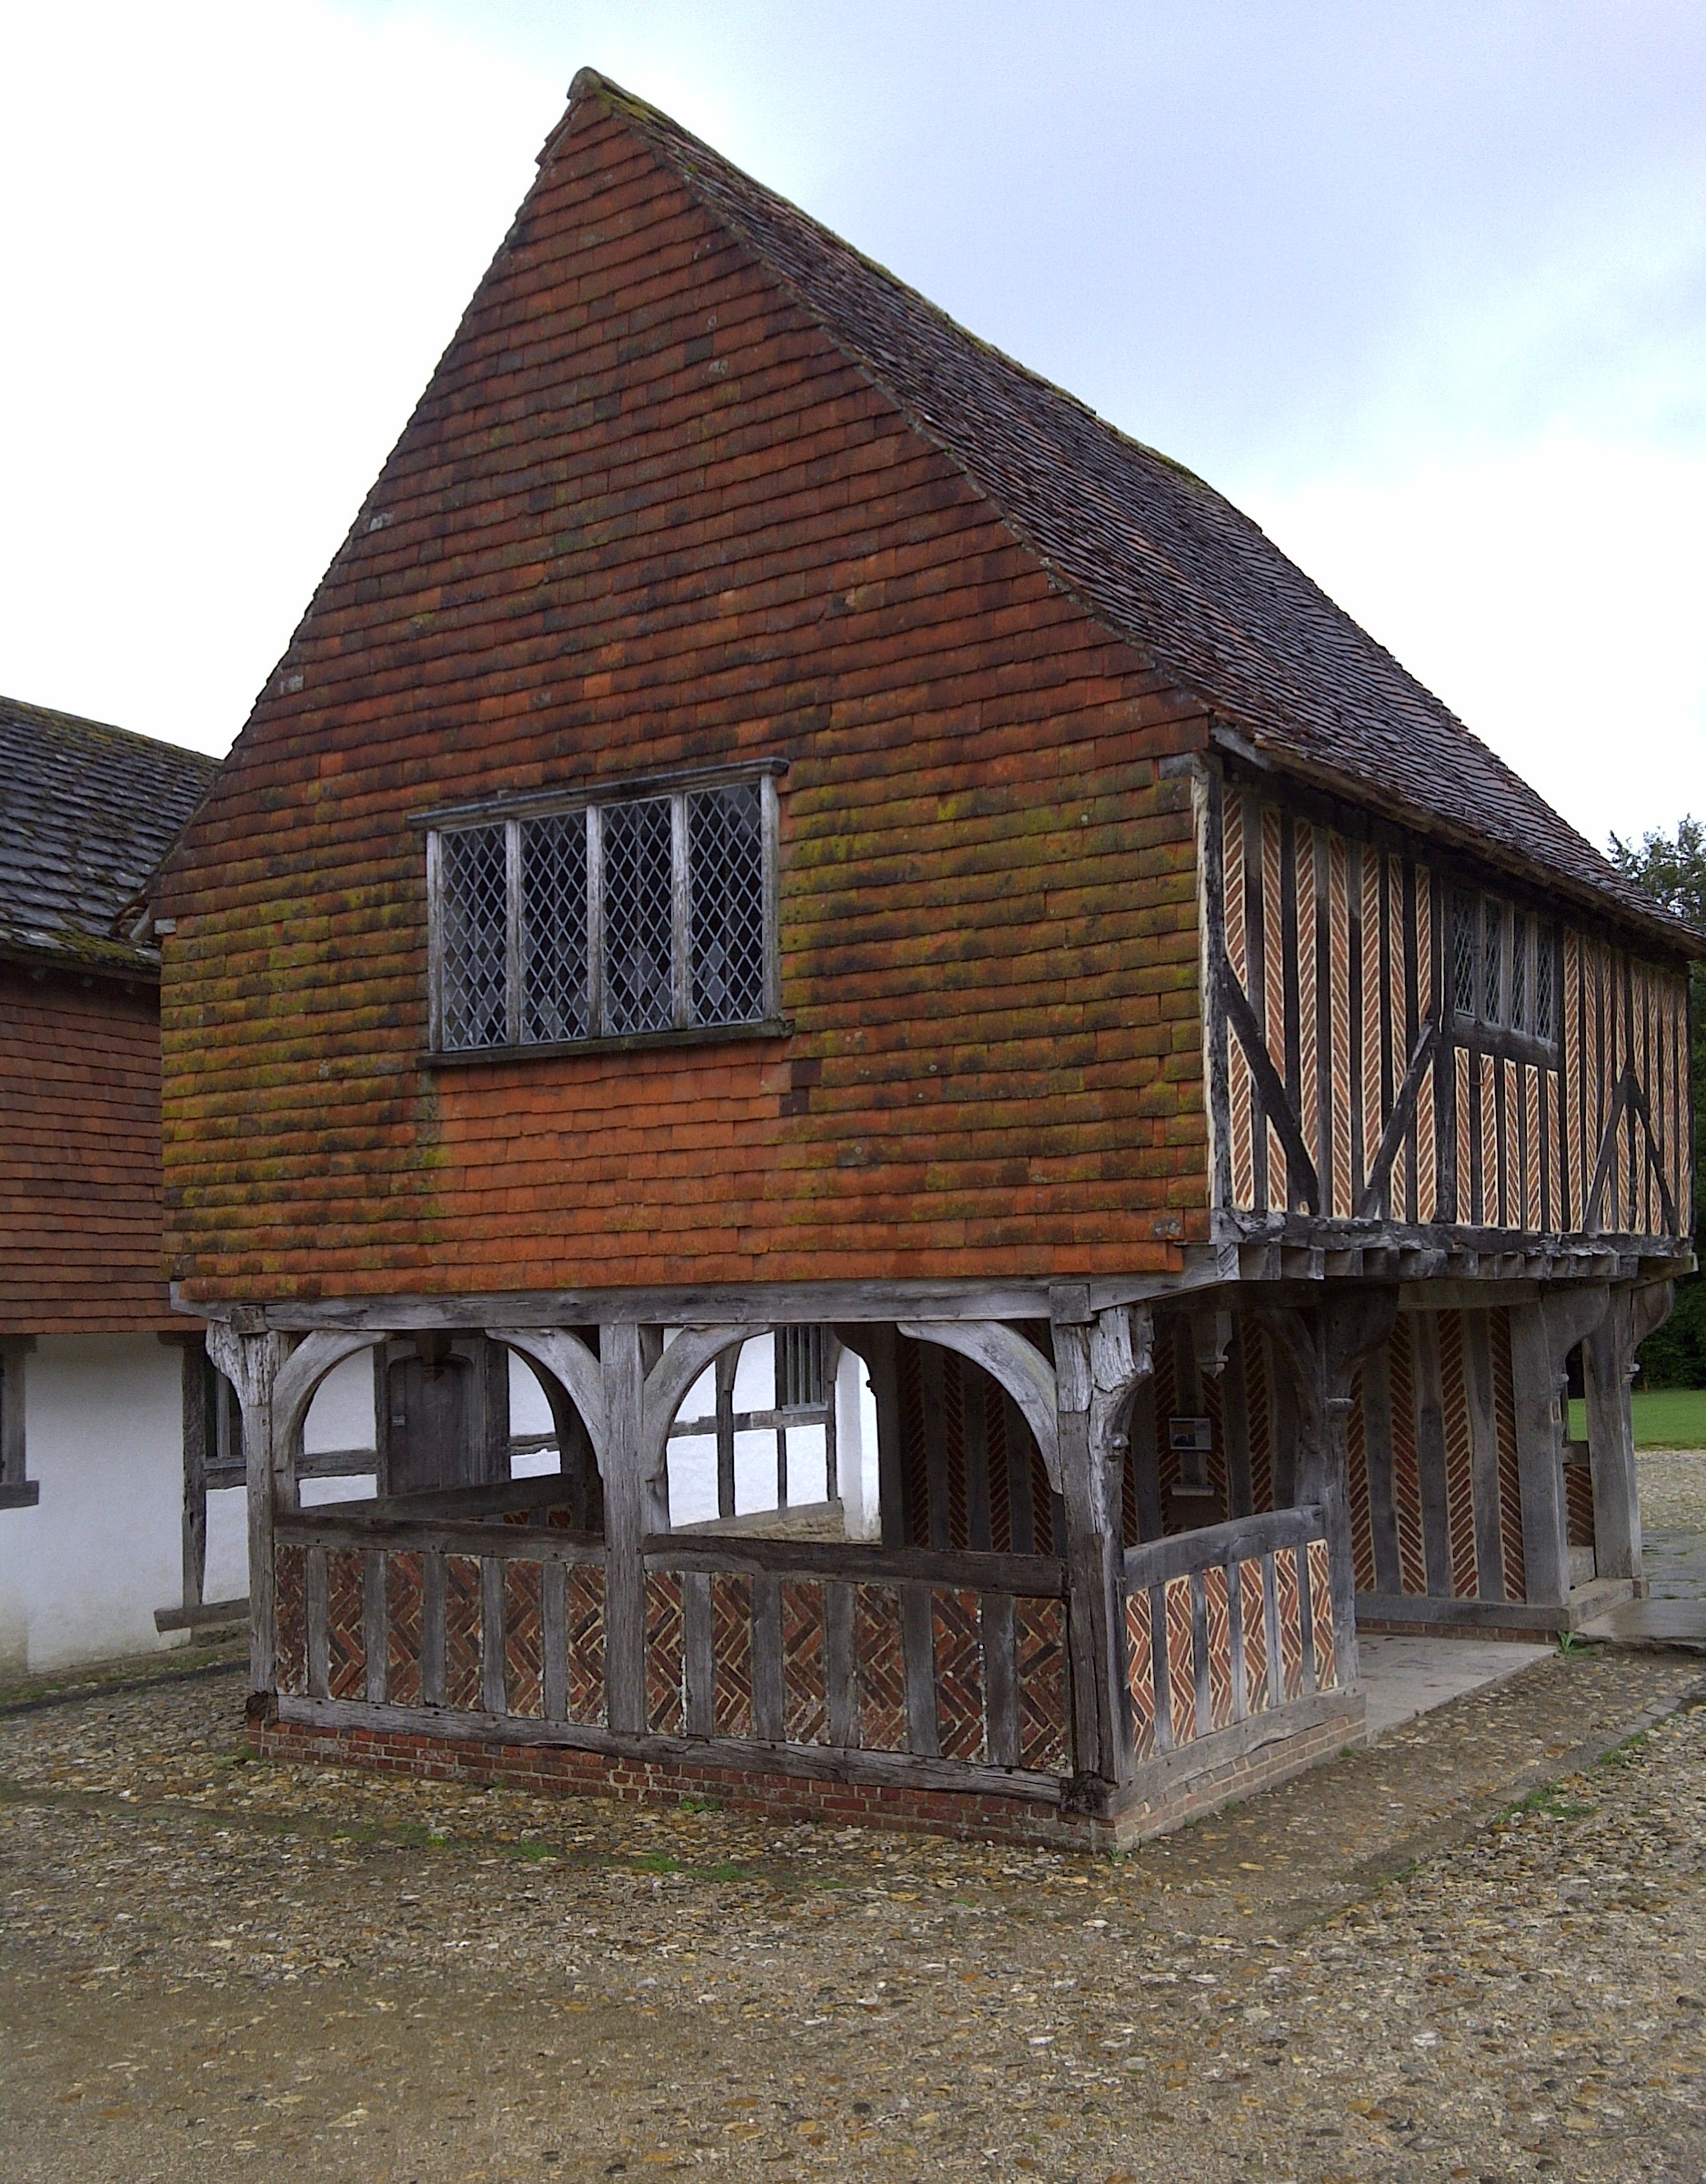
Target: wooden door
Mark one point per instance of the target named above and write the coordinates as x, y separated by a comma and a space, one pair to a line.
429, 1439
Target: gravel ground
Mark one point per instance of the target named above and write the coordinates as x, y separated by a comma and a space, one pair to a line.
1475, 1951
1672, 1490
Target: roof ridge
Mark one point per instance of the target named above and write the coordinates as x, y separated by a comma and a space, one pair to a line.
133, 737
1275, 656
656, 122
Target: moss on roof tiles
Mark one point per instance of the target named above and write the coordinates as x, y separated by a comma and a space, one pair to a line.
86, 813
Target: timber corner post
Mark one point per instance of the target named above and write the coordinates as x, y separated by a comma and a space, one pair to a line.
251, 1359
1100, 1360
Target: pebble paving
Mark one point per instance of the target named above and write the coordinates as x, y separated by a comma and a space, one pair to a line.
1475, 1951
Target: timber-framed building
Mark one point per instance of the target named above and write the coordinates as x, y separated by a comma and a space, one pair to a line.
778, 818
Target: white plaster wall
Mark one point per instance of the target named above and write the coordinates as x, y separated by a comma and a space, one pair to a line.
82, 1573
341, 1417
693, 1462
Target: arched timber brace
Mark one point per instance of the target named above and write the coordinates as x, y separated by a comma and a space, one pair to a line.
1394, 1041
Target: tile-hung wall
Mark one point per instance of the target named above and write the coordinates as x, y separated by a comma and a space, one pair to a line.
1402, 1045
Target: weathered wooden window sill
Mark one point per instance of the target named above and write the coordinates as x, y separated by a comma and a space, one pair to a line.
634, 1042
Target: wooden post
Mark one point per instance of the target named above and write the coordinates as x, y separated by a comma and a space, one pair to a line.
1483, 1426
1542, 1336
1376, 1440
1436, 1523
251, 1362
626, 1500
1235, 1425
1607, 1358
974, 1431
194, 1526
1097, 1366
725, 1367
883, 1364
932, 1377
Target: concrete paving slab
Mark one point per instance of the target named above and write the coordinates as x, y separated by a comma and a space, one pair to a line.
1678, 1623
1404, 1677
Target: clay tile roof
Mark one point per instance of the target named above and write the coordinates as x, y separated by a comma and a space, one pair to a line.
1156, 554
86, 812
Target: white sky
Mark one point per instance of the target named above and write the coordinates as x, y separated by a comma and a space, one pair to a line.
1422, 286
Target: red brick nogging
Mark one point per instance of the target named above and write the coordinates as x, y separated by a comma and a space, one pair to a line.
556, 1769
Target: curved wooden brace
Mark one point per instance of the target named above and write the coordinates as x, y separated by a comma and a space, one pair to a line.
303, 1371
667, 1383
569, 1360
250, 1362
1018, 1365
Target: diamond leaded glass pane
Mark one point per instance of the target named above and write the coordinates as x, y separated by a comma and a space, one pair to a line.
471, 902
1463, 955
1542, 984
726, 899
1493, 951
1520, 973
639, 924
555, 998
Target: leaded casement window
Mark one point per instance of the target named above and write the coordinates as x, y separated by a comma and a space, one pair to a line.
1502, 969
627, 915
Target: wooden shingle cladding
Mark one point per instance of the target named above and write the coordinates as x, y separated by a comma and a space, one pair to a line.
80, 1189
1354, 1085
649, 516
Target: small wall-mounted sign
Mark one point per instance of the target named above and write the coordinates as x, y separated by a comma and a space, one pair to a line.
1190, 1436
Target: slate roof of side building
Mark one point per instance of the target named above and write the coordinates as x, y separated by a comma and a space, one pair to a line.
1157, 555
87, 813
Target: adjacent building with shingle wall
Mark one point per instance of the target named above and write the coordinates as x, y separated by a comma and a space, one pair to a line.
775, 818
91, 1399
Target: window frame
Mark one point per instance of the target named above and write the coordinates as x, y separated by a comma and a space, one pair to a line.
16, 1491
1538, 937
595, 800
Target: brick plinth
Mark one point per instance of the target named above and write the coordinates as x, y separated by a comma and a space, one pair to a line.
548, 1769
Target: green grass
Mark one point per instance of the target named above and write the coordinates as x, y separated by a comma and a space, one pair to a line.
1665, 1417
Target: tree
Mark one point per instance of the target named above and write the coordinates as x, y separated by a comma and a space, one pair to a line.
1674, 872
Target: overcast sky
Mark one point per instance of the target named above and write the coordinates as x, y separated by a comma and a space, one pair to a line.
1421, 287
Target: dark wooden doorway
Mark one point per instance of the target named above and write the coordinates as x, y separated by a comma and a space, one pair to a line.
442, 1413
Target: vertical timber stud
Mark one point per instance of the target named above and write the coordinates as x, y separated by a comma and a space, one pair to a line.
1483, 1425
1435, 1529
626, 1502
1098, 1361
250, 1360
1542, 1336
1208, 791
